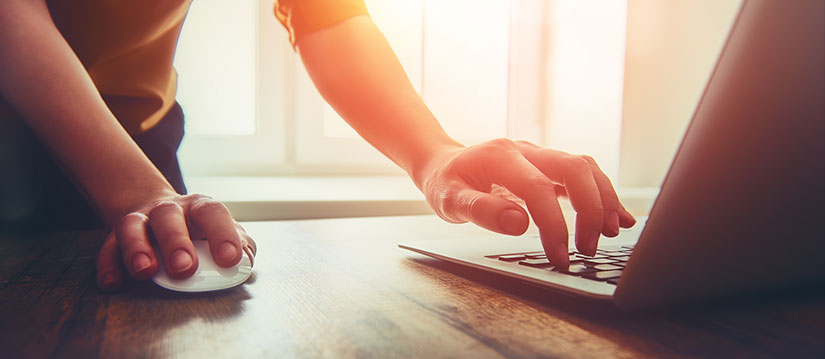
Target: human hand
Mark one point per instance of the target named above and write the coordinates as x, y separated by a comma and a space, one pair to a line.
171, 223
461, 186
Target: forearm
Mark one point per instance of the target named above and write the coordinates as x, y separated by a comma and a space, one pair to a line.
356, 71
43, 80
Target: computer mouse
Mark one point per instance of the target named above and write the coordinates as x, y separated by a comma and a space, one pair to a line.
209, 275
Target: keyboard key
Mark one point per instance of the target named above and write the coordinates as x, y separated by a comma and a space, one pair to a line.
600, 261
603, 275
576, 269
606, 267
621, 259
597, 256
575, 259
512, 257
629, 246
616, 254
613, 280
536, 263
611, 249
536, 256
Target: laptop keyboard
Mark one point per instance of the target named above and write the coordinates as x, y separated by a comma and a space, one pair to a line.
606, 266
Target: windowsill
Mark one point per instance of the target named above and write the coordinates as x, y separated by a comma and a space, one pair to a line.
281, 198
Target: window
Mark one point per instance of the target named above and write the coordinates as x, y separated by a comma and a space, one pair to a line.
549, 71
233, 87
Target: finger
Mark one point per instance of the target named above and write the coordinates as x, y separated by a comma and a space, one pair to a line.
615, 214
511, 170
610, 201
217, 225
247, 243
135, 246
172, 235
488, 211
575, 173
626, 219
110, 274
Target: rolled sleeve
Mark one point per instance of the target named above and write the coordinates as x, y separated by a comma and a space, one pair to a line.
301, 17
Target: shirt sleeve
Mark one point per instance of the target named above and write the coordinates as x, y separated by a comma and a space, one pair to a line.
301, 17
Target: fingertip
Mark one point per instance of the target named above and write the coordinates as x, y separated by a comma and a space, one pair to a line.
228, 254
587, 244
611, 225
559, 259
182, 264
557, 253
513, 221
626, 220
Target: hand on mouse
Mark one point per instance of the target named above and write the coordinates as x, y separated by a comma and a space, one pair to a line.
472, 183
173, 222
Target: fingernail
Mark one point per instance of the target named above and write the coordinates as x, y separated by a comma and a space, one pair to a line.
511, 221
227, 252
613, 221
181, 261
140, 262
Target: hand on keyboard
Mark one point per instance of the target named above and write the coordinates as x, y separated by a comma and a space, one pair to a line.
461, 186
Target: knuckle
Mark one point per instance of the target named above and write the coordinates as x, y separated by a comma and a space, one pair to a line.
131, 219
590, 160
197, 196
449, 200
577, 164
164, 207
171, 235
133, 247
526, 143
540, 186
447, 204
206, 205
476, 206
501, 144
539, 180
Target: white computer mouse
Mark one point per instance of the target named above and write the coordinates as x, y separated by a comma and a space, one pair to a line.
209, 275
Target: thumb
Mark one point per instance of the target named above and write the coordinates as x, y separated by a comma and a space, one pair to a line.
485, 210
110, 275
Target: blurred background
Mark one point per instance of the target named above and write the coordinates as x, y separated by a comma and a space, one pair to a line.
615, 79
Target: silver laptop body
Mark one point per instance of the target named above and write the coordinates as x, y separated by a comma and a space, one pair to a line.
743, 205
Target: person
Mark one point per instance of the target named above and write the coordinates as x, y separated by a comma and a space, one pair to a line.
91, 128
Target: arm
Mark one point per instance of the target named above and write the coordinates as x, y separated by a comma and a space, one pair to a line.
45, 82
356, 71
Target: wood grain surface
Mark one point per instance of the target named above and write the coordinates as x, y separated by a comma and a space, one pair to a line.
342, 289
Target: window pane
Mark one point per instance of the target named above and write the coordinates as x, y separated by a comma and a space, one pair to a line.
216, 66
585, 77
466, 46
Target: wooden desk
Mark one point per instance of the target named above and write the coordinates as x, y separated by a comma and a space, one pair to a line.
342, 289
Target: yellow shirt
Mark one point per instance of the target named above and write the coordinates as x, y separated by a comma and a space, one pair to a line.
128, 47
301, 17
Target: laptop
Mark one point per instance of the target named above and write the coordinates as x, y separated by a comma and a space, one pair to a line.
742, 206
